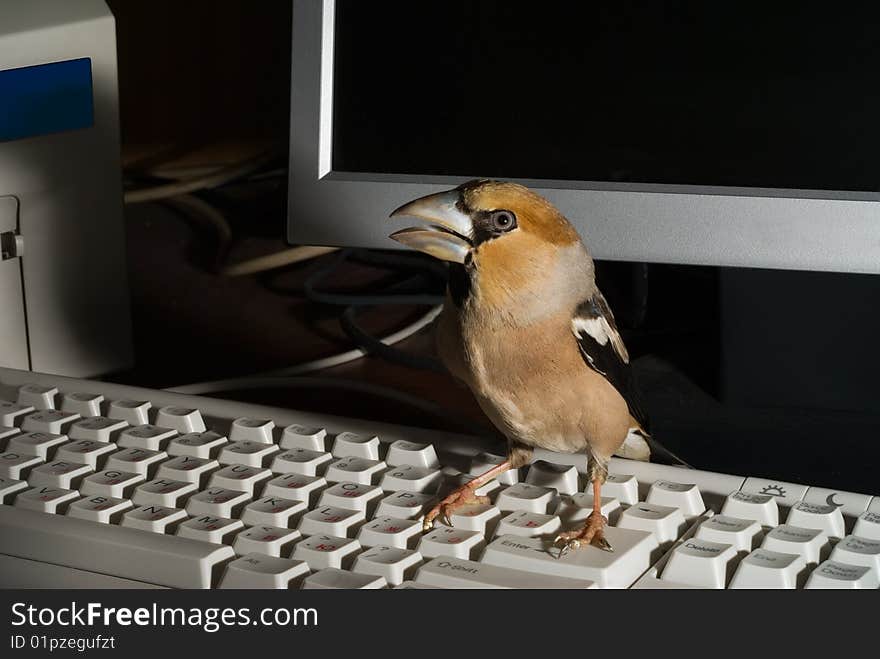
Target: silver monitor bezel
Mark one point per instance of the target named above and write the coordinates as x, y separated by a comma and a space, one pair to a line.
726, 226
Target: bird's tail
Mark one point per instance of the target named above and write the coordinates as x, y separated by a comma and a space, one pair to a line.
640, 445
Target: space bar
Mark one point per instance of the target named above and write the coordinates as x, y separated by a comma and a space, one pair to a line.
159, 559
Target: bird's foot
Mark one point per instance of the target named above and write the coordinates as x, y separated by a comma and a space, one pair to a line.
463, 496
593, 533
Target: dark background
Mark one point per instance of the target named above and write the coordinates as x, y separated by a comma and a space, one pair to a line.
744, 371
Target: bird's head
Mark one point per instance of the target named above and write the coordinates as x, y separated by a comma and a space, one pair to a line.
507, 235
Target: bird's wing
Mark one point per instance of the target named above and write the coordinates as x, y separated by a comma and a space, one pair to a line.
603, 351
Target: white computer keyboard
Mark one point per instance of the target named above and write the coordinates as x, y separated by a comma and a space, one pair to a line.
105, 485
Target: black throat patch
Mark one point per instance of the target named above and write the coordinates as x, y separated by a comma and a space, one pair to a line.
459, 282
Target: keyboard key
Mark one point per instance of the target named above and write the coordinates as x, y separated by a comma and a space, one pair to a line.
700, 563
97, 428
12, 414
352, 495
45, 499
259, 571
240, 477
186, 468
42, 444
164, 492
411, 479
37, 396
665, 522
359, 470
832, 574
9, 488
267, 540
409, 505
764, 568
531, 498
301, 461
323, 551
296, 487
785, 494
60, 474
809, 544
632, 555
49, 421
868, 526
451, 572
146, 436
246, 429
403, 452
105, 510
760, 507
217, 502
853, 550
483, 462
390, 532
207, 528
824, 517
743, 534
354, 445
329, 520
153, 518
87, 452
445, 541
684, 496
197, 444
573, 510
480, 517
139, 460
334, 578
17, 466
850, 504
623, 487
181, 419
307, 437
111, 483
273, 511
82, 404
248, 453
528, 525
5, 434
562, 478
133, 412
393, 564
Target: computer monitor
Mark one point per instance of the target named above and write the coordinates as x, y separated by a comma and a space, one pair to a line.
691, 133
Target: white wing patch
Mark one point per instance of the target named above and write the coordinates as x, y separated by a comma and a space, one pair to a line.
601, 330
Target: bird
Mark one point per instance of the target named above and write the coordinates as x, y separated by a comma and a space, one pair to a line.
524, 325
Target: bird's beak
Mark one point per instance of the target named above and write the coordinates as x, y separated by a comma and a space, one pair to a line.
449, 231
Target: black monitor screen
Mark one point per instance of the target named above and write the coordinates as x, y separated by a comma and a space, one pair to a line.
699, 93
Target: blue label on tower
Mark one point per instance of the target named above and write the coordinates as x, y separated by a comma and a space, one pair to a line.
47, 98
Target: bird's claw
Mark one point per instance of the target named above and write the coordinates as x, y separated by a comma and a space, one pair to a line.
600, 542
592, 534
566, 546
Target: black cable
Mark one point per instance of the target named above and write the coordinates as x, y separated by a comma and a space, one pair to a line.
374, 346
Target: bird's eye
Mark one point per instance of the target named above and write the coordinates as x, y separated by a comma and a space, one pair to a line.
503, 220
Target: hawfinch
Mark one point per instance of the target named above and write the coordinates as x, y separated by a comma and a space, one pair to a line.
526, 328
